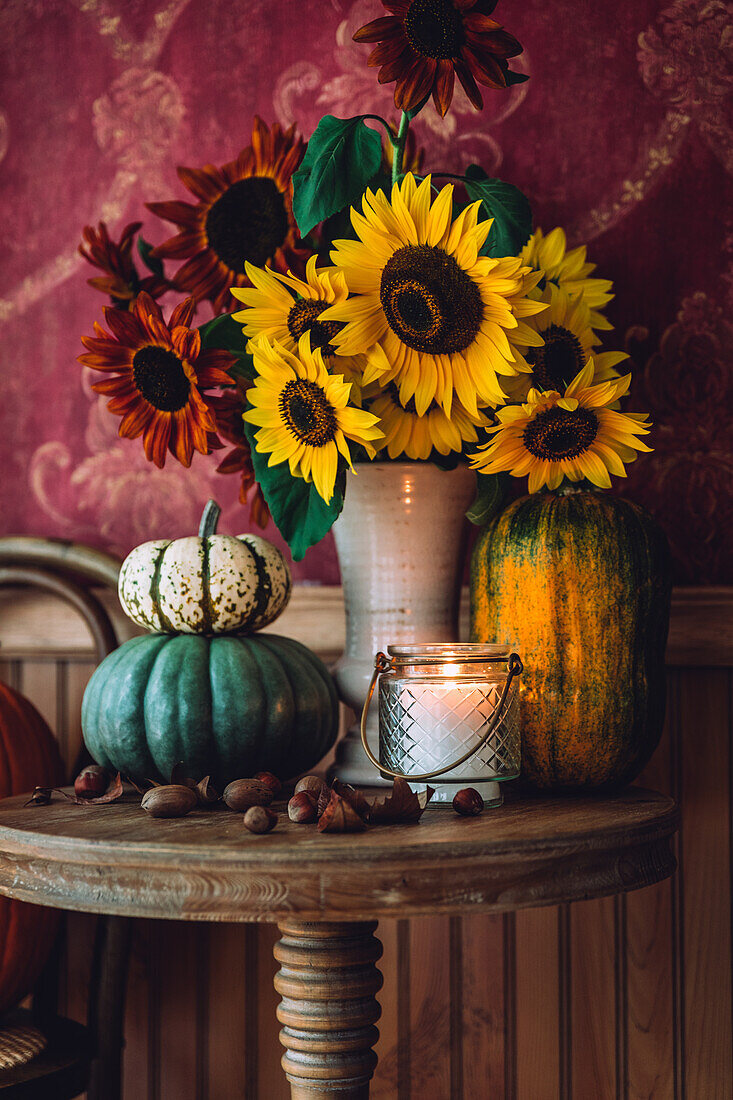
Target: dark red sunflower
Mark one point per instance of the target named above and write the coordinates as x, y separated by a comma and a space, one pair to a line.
157, 372
121, 280
425, 44
244, 212
228, 408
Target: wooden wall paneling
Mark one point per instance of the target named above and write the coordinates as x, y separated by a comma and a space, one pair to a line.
38, 683
433, 1059
77, 674
590, 970
705, 844
232, 998
652, 1018
179, 945
141, 1064
538, 1000
270, 1077
385, 1084
486, 1006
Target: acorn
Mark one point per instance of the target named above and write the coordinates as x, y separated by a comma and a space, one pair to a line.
468, 802
258, 819
302, 808
172, 800
270, 781
243, 793
311, 783
91, 782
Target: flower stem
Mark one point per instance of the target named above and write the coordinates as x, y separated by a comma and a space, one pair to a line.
398, 153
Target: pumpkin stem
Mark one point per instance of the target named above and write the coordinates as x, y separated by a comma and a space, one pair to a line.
209, 519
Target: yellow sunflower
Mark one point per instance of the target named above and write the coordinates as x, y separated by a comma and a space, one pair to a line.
432, 315
569, 339
570, 270
574, 435
273, 311
415, 436
303, 413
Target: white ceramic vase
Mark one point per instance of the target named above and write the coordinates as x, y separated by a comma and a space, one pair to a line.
400, 540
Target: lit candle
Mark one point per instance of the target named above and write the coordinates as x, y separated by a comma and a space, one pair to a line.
435, 704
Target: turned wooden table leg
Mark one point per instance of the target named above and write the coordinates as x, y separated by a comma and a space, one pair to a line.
328, 981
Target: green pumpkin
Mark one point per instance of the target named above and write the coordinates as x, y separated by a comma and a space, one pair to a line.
226, 706
579, 585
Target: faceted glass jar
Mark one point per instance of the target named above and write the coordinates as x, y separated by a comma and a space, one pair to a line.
435, 704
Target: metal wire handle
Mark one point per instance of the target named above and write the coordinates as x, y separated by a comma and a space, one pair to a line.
382, 663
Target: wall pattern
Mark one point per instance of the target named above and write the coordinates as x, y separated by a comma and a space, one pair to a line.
624, 134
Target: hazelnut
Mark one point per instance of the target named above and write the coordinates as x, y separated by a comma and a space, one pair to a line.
243, 793
258, 819
91, 782
270, 781
173, 800
312, 783
302, 808
468, 802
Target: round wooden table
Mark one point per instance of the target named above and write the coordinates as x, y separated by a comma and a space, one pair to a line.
326, 891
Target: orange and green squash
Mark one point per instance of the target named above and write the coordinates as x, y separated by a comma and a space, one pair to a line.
29, 757
578, 583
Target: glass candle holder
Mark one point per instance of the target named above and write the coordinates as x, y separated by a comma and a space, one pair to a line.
450, 711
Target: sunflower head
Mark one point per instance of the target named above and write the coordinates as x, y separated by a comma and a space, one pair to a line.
424, 44
243, 215
303, 413
569, 270
285, 308
155, 377
568, 342
120, 279
572, 435
430, 313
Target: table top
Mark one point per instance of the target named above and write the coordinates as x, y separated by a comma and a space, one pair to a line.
206, 866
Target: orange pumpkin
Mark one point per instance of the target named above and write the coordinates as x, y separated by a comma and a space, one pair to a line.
29, 757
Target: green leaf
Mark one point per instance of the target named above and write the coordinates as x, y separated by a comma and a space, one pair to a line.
491, 490
151, 262
300, 513
342, 156
508, 207
224, 333
515, 78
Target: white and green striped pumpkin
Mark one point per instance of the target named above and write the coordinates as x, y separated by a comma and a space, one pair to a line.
205, 584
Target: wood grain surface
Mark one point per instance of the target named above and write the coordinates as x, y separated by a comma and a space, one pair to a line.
206, 866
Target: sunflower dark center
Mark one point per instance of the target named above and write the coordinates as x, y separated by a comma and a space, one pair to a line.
556, 364
557, 433
434, 28
429, 301
160, 378
303, 317
248, 222
308, 413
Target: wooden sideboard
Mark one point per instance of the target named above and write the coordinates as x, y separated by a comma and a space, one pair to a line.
599, 1000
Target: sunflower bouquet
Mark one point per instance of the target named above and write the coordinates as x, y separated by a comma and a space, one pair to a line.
365, 309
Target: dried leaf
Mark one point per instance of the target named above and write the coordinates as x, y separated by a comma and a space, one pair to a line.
205, 792
114, 791
402, 806
355, 798
340, 817
140, 790
41, 797
323, 800
179, 777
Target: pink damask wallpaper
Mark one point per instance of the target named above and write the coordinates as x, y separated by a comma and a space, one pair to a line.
623, 134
